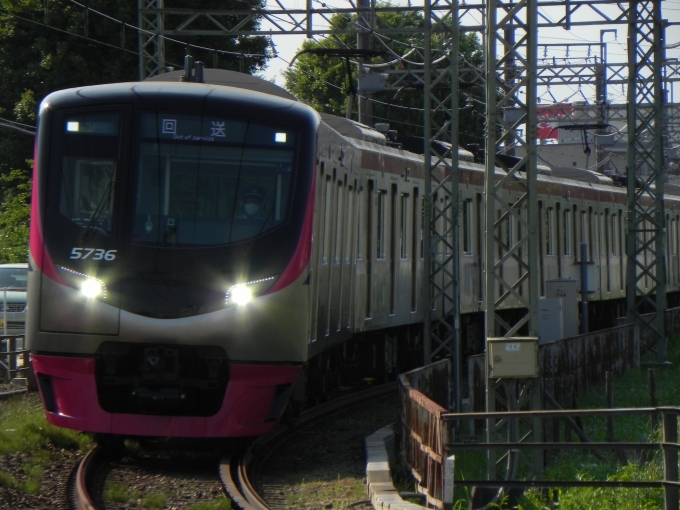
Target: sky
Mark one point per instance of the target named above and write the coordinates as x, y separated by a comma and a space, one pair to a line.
288, 45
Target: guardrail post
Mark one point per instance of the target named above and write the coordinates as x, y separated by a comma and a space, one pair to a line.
670, 458
447, 499
12, 358
4, 312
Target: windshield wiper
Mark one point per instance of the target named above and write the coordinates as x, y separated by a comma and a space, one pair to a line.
92, 225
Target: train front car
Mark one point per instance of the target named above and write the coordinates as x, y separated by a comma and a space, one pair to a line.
170, 240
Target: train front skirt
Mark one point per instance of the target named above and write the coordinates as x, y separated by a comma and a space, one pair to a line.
253, 402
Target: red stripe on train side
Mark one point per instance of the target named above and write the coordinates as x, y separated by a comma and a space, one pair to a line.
303, 252
41, 258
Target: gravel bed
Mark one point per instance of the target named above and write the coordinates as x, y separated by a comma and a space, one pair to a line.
320, 467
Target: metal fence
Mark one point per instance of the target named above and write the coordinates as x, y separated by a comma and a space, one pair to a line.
569, 367
13, 358
428, 431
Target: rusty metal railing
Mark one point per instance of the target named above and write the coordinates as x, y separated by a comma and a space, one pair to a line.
423, 437
427, 431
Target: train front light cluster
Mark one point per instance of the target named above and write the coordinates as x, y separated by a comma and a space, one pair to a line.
243, 293
89, 286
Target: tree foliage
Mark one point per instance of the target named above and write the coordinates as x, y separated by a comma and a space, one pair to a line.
48, 45
323, 82
14, 216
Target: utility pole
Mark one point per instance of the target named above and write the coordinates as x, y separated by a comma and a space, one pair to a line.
601, 94
364, 42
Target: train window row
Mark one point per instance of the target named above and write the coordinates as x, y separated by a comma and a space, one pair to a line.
381, 223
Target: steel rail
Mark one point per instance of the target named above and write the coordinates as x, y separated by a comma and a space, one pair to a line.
236, 471
81, 494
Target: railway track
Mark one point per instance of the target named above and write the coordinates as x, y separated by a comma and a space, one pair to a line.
239, 468
242, 480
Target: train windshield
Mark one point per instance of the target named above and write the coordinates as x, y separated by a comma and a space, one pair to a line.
88, 171
204, 181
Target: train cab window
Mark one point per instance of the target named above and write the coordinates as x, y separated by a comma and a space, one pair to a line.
90, 146
210, 181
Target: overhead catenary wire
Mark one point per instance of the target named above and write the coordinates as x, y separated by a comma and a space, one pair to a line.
17, 126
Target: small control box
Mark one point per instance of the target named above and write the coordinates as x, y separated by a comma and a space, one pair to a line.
515, 358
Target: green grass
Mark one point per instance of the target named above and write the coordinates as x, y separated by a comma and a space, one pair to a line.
6, 480
213, 505
154, 501
631, 390
119, 493
24, 429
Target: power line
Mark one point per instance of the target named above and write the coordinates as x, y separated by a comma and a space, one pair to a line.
16, 126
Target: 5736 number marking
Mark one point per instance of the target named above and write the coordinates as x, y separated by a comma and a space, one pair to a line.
93, 253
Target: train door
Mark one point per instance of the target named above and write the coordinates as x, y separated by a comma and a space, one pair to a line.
607, 250
348, 254
416, 229
541, 247
325, 262
622, 252
335, 286
392, 250
369, 243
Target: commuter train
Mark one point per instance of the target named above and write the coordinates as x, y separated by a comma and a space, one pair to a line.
205, 255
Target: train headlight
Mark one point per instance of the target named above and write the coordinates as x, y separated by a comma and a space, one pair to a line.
243, 293
92, 288
89, 286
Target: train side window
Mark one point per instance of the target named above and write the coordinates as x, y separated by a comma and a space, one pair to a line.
349, 224
584, 229
615, 234
403, 226
339, 220
550, 231
591, 231
566, 226
467, 227
380, 224
326, 235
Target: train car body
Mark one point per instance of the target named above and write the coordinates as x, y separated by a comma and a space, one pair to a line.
139, 255
160, 305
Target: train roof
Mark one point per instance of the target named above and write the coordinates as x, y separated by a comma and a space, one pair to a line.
346, 127
231, 79
580, 174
